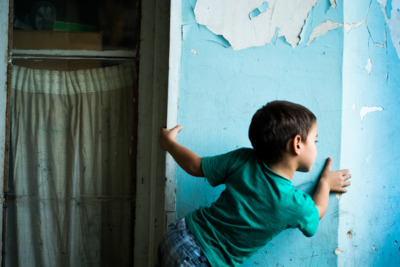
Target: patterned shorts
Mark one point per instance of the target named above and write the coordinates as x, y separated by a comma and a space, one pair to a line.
178, 248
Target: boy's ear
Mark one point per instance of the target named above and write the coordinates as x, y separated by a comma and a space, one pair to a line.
296, 145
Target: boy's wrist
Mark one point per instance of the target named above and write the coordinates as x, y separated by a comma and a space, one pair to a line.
324, 184
172, 145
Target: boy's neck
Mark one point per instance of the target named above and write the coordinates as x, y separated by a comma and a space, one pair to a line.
284, 168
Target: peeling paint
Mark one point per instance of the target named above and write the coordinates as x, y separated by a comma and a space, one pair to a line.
284, 18
193, 51
285, 70
391, 12
349, 234
333, 3
365, 110
349, 26
258, 10
323, 28
368, 67
380, 45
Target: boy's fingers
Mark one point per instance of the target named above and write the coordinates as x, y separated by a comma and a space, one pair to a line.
345, 171
347, 177
328, 164
177, 128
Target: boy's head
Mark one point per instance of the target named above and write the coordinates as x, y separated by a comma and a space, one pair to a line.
275, 124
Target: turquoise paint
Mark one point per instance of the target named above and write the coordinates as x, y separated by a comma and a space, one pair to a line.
389, 9
371, 211
220, 89
376, 30
259, 10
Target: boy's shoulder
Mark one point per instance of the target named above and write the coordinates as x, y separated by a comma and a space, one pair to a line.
243, 154
239, 152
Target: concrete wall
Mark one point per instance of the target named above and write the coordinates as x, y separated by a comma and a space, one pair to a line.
226, 75
369, 228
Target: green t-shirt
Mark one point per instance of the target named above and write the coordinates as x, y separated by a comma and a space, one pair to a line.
256, 205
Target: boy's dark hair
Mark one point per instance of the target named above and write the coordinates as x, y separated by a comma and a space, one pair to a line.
275, 124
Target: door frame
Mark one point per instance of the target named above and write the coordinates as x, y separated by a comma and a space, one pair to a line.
5, 57
159, 62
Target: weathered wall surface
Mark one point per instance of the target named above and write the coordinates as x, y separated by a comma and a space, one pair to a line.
369, 225
220, 89
231, 66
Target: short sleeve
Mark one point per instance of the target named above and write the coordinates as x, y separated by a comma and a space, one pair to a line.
308, 219
217, 168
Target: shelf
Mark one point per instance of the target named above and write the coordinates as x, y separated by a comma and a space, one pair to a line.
63, 44
20, 53
33, 40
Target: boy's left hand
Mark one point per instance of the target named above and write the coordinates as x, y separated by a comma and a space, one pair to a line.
337, 180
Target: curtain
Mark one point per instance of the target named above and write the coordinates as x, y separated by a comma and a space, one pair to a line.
70, 189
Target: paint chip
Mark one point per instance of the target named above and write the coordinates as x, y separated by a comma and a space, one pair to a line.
365, 110
338, 195
368, 67
349, 26
337, 251
333, 3
258, 10
242, 28
373, 247
392, 21
194, 52
323, 28
380, 45
350, 234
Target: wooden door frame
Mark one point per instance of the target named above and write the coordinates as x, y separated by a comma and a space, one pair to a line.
159, 63
5, 57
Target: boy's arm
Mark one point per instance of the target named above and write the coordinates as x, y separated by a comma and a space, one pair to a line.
186, 159
330, 181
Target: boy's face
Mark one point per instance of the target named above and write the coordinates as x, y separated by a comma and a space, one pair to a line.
308, 150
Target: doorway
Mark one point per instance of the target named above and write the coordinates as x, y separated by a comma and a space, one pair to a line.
73, 114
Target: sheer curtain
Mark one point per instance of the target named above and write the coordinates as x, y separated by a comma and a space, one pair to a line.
70, 196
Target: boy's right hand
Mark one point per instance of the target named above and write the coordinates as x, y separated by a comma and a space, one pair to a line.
336, 180
187, 159
168, 136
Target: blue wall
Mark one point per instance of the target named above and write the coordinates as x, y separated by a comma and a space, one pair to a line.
220, 89
369, 231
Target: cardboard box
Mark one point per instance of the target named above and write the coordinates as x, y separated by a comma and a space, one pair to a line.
49, 40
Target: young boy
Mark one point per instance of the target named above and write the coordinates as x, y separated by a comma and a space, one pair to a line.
259, 200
